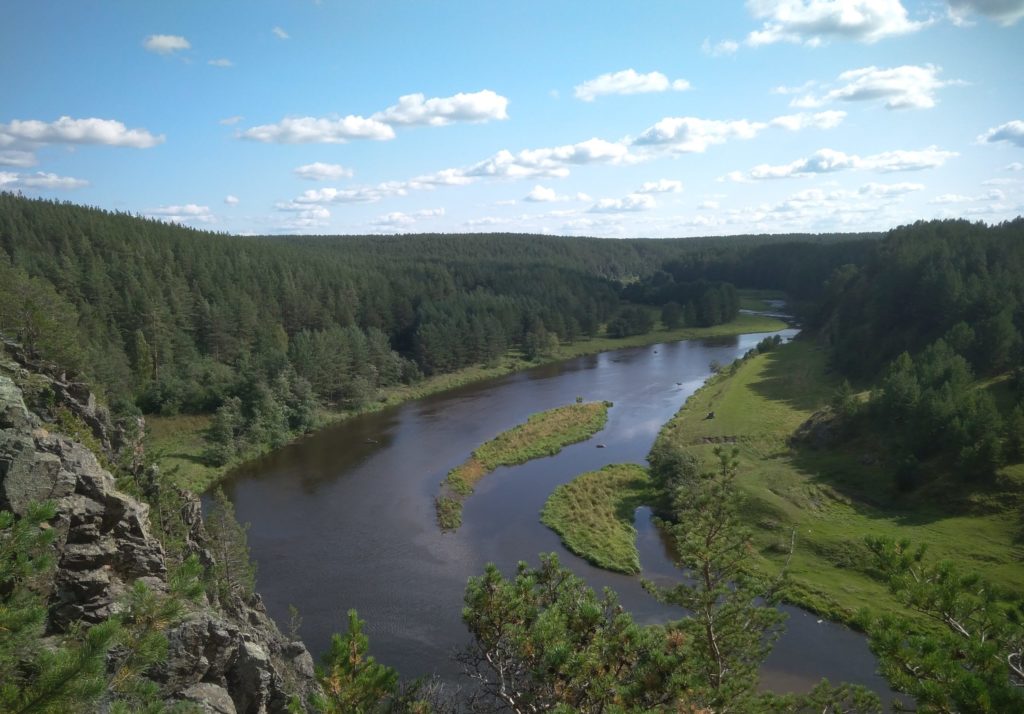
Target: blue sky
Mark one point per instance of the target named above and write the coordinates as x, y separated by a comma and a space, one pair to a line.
655, 119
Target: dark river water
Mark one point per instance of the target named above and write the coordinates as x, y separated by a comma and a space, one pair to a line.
345, 518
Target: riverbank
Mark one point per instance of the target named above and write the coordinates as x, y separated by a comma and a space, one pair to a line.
832, 498
543, 434
178, 445
594, 515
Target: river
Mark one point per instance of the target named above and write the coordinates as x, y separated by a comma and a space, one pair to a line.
345, 518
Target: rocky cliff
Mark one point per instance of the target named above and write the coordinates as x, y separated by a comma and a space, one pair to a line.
224, 657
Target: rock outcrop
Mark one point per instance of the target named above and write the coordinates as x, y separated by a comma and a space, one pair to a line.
223, 657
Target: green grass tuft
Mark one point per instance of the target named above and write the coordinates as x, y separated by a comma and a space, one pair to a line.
543, 434
594, 515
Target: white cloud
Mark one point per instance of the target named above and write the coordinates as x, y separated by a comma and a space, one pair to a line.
396, 219
1006, 12
632, 202
304, 130
14, 157
412, 109
994, 194
319, 171
905, 87
1012, 132
40, 180
1015, 166
661, 186
812, 22
222, 62
359, 194
231, 200
542, 194
627, 81
280, 34
229, 121
302, 217
690, 134
437, 111
879, 190
719, 49
829, 160
709, 205
804, 120
430, 213
187, 213
548, 162
166, 44
76, 131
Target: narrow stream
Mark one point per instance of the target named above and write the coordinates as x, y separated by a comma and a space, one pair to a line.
345, 518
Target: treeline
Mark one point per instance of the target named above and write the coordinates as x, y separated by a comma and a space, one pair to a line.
699, 303
169, 319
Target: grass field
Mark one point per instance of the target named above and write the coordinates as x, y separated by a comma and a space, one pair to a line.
834, 498
756, 299
594, 513
178, 443
543, 434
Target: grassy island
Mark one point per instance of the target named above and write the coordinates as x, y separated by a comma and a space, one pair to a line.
593, 514
543, 434
835, 496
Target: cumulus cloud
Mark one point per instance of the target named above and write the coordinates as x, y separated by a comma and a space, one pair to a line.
398, 219
437, 111
20, 159
719, 49
187, 213
65, 130
905, 87
231, 200
548, 162
319, 171
805, 120
395, 219
661, 186
1012, 132
411, 109
230, 121
543, 194
222, 62
880, 190
693, 135
812, 22
1015, 166
40, 181
1006, 12
306, 130
632, 202
280, 34
166, 44
627, 81
828, 161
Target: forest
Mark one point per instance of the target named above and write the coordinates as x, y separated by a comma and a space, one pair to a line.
924, 325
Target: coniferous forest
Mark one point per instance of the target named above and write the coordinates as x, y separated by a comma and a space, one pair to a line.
922, 328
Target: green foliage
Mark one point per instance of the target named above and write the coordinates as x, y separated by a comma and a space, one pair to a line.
37, 316
234, 573
352, 681
73, 671
449, 512
544, 641
633, 320
733, 626
965, 651
672, 315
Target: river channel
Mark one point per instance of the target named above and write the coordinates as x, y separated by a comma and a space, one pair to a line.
345, 518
